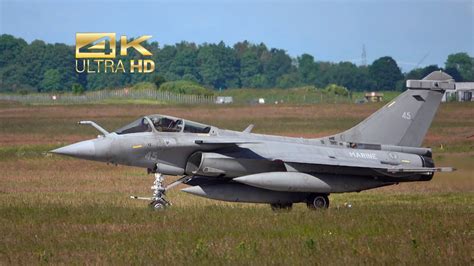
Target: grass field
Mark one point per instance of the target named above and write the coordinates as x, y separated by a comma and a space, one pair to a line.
66, 211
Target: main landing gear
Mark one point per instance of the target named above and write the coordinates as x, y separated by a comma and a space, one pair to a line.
314, 202
158, 200
318, 202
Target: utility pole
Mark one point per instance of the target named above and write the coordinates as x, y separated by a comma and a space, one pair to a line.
364, 56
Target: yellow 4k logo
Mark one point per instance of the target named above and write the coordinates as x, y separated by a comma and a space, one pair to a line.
102, 47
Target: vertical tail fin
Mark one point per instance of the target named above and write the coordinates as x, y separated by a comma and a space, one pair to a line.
405, 120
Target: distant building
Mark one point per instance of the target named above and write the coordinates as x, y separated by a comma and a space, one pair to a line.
224, 99
374, 96
463, 93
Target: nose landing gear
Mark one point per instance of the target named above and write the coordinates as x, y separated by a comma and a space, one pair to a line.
158, 200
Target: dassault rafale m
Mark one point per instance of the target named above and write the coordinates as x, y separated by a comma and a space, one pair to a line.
384, 149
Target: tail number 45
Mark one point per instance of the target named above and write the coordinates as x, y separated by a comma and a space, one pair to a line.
406, 115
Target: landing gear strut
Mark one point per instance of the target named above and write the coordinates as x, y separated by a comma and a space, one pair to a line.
318, 201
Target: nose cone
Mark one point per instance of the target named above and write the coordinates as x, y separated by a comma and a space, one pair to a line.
84, 150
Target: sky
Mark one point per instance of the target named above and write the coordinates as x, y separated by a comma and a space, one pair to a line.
416, 32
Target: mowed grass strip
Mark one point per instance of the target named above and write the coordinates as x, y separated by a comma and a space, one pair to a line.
437, 232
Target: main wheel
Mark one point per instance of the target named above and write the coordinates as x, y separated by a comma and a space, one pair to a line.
318, 201
281, 206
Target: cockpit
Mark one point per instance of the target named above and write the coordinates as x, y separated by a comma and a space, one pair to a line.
163, 123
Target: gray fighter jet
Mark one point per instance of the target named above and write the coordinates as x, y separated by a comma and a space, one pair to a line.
227, 165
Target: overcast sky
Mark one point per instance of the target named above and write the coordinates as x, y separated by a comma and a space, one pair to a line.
328, 30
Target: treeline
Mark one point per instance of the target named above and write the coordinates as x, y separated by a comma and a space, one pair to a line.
43, 67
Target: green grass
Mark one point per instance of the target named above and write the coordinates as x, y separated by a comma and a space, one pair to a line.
393, 229
25, 151
64, 211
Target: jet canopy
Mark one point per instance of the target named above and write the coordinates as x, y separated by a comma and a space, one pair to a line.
162, 123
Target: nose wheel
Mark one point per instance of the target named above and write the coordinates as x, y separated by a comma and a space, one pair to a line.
159, 204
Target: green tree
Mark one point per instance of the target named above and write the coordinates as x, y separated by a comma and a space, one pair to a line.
158, 80
190, 77
288, 80
414, 74
258, 81
345, 74
241, 47
27, 67
463, 63
276, 63
185, 61
336, 90
10, 49
453, 72
250, 66
307, 69
164, 58
77, 89
386, 73
34, 60
51, 80
428, 69
13, 78
218, 66
419, 73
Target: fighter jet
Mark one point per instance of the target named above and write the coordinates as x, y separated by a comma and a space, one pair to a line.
384, 149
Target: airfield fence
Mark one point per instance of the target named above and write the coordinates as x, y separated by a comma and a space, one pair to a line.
153, 95
295, 98
104, 95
